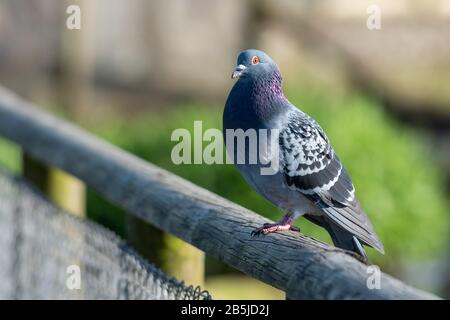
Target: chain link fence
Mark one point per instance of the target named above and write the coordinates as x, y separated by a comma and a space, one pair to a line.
46, 253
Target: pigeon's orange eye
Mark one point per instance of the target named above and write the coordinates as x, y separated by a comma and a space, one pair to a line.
255, 60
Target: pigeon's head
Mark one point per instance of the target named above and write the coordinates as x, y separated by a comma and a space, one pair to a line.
253, 64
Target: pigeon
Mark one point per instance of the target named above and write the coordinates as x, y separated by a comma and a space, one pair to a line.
309, 179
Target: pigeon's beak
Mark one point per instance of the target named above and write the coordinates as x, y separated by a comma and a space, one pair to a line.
238, 71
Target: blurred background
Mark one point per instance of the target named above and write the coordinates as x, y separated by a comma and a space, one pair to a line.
139, 69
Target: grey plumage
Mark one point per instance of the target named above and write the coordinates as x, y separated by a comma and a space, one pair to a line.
311, 180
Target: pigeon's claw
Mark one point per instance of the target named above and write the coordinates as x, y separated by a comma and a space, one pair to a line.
273, 227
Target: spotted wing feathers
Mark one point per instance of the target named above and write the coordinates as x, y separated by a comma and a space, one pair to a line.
311, 166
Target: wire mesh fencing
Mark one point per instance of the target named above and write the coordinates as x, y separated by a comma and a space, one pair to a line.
46, 253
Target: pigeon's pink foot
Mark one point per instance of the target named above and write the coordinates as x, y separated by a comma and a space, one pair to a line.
273, 227
284, 225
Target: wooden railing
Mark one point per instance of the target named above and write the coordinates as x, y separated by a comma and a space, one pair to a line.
302, 267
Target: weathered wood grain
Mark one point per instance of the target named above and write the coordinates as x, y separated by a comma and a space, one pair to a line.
302, 267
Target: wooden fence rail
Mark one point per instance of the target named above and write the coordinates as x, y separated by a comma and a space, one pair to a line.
302, 267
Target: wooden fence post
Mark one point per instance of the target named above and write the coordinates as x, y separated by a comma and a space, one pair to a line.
63, 189
171, 254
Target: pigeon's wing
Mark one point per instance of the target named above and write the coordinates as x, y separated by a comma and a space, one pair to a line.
311, 166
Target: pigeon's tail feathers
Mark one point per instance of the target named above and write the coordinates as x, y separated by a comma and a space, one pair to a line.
354, 222
345, 240
341, 238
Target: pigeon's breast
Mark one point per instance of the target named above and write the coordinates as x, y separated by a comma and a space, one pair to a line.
242, 121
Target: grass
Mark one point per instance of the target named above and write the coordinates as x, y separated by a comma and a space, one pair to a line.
224, 287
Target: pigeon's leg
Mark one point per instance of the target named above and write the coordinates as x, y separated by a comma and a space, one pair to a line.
285, 224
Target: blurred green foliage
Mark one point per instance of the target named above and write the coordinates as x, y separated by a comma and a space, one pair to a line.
391, 166
10, 156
